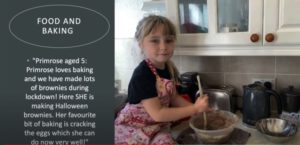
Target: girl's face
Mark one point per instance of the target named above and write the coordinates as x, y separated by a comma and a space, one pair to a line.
158, 47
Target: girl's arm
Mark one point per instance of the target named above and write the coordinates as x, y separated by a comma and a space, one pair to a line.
165, 114
179, 101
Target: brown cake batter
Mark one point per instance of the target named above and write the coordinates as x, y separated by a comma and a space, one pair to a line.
215, 120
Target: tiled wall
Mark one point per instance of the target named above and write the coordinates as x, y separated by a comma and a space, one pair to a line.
240, 70
234, 70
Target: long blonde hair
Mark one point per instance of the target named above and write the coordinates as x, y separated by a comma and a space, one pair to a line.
150, 23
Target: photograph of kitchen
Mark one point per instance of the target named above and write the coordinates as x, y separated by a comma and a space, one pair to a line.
246, 54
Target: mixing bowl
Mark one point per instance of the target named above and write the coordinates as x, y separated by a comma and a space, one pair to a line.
220, 125
276, 130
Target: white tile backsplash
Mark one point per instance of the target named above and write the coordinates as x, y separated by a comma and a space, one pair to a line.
189, 63
241, 72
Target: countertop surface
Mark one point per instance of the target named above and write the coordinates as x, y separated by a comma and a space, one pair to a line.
255, 138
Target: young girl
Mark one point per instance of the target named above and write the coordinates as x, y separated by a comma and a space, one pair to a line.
152, 98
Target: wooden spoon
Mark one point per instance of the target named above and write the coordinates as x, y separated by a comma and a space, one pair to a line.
201, 94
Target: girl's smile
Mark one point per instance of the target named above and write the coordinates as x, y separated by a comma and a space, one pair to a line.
158, 47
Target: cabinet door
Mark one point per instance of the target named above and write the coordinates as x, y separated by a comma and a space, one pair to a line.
283, 21
216, 22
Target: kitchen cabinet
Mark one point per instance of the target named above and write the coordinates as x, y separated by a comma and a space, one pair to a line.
281, 19
236, 27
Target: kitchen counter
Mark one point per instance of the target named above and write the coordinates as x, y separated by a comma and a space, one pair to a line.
255, 138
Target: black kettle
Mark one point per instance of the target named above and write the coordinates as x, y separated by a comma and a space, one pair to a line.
256, 102
189, 85
290, 99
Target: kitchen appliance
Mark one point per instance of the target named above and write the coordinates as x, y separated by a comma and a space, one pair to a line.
221, 97
290, 99
256, 102
189, 84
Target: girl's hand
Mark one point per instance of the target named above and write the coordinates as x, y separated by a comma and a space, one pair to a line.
201, 104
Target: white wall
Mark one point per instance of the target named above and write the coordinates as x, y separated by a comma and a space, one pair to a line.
127, 54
